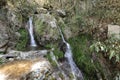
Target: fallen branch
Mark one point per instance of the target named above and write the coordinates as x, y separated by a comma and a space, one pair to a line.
4, 45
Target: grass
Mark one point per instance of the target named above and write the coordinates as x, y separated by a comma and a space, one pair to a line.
58, 54
82, 56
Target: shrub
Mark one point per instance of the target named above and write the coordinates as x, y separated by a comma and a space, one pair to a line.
23, 40
110, 47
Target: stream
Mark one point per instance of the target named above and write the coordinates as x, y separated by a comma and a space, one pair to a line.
68, 55
77, 75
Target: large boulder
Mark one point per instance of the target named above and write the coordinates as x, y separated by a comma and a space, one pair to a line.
46, 28
3, 33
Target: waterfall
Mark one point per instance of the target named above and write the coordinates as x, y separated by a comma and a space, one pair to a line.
30, 29
54, 59
68, 55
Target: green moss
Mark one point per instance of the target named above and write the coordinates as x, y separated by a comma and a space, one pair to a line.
53, 63
61, 75
43, 28
39, 26
58, 54
82, 56
71, 76
22, 42
1, 61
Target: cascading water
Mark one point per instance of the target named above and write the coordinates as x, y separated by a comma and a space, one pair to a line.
30, 29
68, 54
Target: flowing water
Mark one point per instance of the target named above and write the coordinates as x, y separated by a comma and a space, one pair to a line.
68, 54
30, 29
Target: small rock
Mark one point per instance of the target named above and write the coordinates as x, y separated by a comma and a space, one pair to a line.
17, 34
61, 13
114, 30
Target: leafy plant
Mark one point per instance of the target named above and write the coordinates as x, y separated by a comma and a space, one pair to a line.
111, 46
98, 46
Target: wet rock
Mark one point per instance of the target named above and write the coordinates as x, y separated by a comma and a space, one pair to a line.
62, 46
35, 69
23, 55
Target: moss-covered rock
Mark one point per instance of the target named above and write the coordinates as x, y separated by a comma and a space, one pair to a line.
46, 28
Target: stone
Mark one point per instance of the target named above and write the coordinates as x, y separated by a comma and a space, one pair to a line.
114, 31
49, 19
61, 13
23, 55
46, 29
3, 33
35, 69
67, 32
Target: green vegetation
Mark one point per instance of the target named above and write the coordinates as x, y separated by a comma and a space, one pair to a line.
81, 16
82, 56
1, 61
109, 47
58, 54
53, 63
40, 27
23, 40
108, 10
23, 8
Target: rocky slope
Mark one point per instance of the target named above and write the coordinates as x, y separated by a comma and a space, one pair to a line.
81, 22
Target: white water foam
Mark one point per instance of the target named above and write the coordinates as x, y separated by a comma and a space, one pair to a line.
68, 54
30, 29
